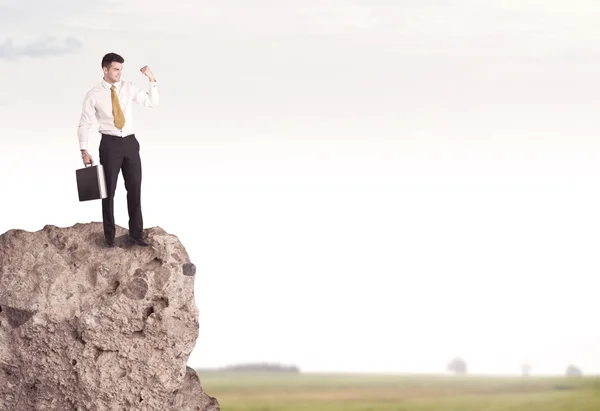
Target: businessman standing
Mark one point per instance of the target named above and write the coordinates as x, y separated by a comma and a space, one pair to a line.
110, 102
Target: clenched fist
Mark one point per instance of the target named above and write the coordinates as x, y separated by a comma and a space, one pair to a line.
148, 73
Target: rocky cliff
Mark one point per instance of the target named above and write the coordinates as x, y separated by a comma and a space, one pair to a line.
88, 328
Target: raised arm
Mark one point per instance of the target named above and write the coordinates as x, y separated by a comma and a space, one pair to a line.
146, 98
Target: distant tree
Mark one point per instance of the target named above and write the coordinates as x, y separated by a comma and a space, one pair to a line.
457, 366
526, 370
573, 371
262, 367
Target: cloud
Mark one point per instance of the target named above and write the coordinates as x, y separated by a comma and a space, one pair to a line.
32, 28
45, 47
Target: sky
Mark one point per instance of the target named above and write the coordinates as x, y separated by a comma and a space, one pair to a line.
363, 186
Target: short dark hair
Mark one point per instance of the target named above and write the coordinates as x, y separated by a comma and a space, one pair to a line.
110, 58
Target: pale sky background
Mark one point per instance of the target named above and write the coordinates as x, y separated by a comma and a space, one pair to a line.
366, 186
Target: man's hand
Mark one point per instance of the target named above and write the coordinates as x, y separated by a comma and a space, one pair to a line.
87, 158
148, 73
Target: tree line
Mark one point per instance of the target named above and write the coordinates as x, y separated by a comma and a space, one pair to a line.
459, 366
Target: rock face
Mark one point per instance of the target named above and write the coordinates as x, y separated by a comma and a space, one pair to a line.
88, 328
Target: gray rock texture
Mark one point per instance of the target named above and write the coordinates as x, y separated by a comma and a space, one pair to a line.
88, 328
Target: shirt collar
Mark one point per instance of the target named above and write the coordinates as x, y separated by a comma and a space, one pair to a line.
107, 85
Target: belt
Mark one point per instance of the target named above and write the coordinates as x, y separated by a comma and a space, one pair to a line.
110, 135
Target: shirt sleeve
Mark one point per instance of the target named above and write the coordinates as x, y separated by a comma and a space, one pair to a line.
88, 112
146, 98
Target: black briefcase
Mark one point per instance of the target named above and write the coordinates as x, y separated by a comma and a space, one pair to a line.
91, 183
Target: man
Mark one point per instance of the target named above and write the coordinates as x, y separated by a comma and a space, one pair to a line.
110, 102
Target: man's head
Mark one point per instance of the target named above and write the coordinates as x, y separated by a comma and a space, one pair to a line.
112, 66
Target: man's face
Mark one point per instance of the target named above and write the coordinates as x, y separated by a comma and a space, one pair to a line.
113, 73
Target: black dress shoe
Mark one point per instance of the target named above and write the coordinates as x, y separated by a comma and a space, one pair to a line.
109, 243
140, 241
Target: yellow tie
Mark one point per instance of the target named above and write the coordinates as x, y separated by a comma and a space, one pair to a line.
117, 112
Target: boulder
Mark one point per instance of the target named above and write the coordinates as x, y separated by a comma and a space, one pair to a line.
89, 328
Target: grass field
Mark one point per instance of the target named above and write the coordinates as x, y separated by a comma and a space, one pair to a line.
316, 392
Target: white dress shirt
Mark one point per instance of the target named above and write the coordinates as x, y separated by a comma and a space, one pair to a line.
98, 103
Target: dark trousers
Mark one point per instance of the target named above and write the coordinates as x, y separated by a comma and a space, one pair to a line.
116, 154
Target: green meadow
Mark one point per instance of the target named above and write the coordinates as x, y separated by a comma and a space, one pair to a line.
237, 391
